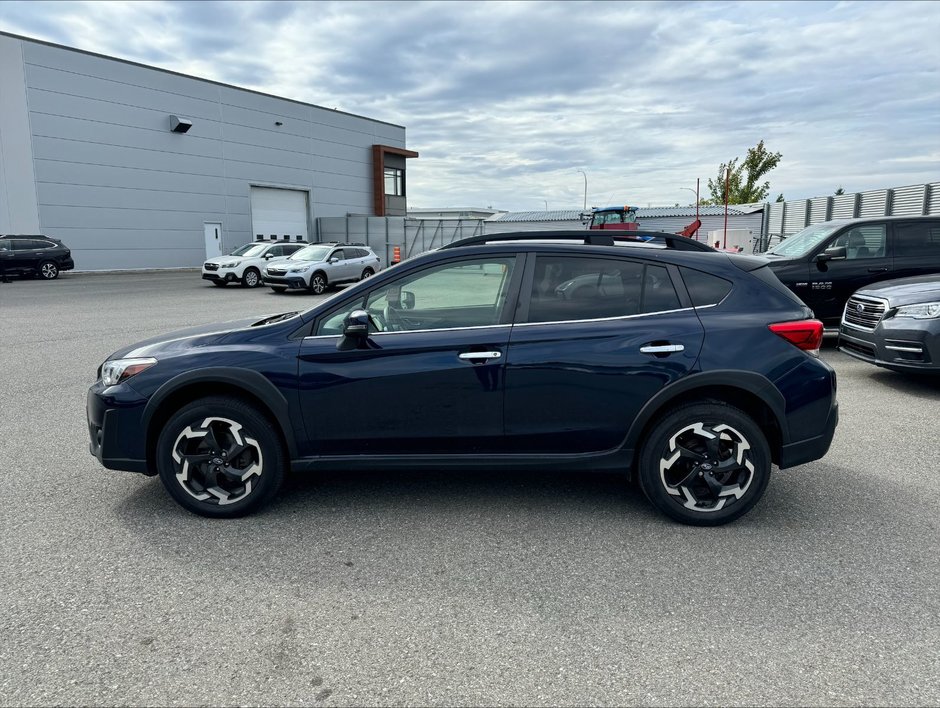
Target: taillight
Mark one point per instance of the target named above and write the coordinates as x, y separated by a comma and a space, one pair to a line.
805, 334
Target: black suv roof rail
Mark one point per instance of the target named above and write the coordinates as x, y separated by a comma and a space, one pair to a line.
590, 238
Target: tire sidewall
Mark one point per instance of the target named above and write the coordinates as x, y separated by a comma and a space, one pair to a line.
42, 267
245, 275
367, 273
254, 425
657, 443
313, 288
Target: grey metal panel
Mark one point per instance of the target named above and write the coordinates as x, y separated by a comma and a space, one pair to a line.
271, 139
19, 212
873, 203
346, 183
933, 203
116, 197
265, 104
775, 224
92, 217
56, 171
126, 94
818, 210
237, 205
255, 173
908, 201
102, 259
795, 219
843, 206
267, 156
42, 101
154, 137
97, 154
117, 71
131, 239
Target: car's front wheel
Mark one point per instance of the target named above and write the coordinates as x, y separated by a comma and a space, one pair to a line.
251, 278
220, 457
48, 270
705, 464
318, 283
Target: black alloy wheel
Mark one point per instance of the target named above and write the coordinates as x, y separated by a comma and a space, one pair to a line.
705, 464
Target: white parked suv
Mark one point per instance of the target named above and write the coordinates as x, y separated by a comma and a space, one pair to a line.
320, 265
244, 265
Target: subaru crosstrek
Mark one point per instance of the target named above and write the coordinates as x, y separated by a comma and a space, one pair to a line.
319, 266
691, 372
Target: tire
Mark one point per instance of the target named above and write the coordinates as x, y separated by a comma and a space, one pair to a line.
367, 273
705, 464
278, 289
318, 283
219, 283
251, 278
48, 270
209, 485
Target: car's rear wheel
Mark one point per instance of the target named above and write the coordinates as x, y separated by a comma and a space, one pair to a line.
251, 278
48, 270
367, 273
219, 283
705, 464
318, 283
220, 457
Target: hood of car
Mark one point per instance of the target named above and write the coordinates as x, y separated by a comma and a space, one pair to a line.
218, 260
201, 336
906, 291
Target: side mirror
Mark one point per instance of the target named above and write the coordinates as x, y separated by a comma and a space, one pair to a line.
355, 331
835, 253
268, 256
334, 259
407, 300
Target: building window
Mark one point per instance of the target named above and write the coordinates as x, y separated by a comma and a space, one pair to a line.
394, 182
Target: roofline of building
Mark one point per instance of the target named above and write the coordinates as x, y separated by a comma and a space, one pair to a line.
190, 76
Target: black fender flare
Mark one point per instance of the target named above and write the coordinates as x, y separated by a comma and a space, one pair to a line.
753, 383
249, 380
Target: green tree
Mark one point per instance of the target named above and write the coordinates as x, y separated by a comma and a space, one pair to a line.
780, 198
840, 191
744, 185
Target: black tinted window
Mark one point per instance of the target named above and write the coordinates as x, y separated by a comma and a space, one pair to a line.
22, 245
705, 289
287, 250
571, 288
921, 239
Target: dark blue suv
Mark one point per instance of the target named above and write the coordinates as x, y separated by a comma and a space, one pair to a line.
689, 371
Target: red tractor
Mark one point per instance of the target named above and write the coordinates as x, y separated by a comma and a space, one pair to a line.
618, 218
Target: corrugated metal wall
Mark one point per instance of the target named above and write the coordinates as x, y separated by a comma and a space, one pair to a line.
786, 218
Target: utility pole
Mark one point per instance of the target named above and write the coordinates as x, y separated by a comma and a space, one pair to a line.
585, 188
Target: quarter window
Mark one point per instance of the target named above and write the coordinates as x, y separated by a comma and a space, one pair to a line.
704, 288
567, 288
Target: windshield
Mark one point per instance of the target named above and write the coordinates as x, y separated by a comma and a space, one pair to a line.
311, 253
805, 241
249, 250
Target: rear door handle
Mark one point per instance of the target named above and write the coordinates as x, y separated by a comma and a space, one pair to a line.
878, 270
479, 356
662, 348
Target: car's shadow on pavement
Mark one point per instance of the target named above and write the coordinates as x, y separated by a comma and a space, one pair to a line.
924, 386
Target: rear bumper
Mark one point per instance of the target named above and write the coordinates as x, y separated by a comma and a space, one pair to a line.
803, 451
67, 264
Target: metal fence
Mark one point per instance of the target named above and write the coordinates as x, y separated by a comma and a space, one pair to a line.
384, 233
786, 218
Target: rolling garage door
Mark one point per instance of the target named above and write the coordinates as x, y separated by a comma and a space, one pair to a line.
278, 213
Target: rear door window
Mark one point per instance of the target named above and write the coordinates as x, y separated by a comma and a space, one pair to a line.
917, 239
568, 288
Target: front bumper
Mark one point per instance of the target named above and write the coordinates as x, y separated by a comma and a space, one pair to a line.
114, 426
294, 282
220, 276
900, 344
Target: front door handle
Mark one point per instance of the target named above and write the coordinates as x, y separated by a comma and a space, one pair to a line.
878, 270
479, 356
662, 348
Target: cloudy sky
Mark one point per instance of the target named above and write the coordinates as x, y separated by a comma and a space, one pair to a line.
506, 101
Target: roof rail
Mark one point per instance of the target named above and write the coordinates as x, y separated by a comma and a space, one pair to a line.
590, 238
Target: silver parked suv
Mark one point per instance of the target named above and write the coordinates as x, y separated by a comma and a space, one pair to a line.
318, 266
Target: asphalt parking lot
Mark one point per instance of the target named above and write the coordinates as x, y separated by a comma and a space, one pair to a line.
418, 588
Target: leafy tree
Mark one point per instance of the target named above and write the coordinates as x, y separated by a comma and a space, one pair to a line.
744, 185
840, 191
780, 198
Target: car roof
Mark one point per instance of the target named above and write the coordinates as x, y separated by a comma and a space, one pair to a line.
870, 219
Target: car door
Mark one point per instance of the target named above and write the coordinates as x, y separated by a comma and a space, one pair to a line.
430, 379
868, 259
25, 255
595, 339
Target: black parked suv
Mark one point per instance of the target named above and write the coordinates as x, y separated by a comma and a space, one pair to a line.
825, 263
689, 371
34, 255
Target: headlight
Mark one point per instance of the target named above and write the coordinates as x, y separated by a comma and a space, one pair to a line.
230, 264
115, 371
300, 269
923, 311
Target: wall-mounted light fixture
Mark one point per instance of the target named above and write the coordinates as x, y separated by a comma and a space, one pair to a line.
180, 125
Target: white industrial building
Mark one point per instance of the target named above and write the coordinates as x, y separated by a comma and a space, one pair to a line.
132, 166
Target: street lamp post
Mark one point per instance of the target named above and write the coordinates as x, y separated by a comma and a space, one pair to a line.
585, 188
689, 189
